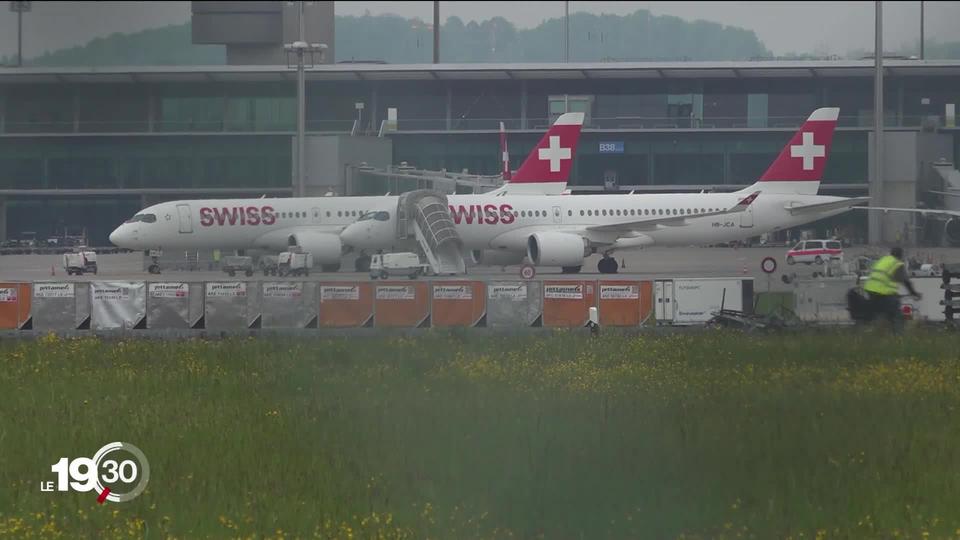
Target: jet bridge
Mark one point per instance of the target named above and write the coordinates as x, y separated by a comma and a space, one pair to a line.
425, 216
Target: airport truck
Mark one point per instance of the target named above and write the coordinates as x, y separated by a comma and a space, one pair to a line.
76, 263
295, 263
238, 263
391, 264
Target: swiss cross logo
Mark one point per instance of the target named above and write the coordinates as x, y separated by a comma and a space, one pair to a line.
807, 151
554, 153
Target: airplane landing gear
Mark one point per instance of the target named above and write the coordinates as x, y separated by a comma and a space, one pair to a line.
608, 265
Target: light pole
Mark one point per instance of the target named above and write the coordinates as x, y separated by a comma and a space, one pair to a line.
301, 48
921, 29
876, 184
20, 8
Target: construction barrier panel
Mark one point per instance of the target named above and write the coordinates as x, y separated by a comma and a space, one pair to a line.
823, 300
929, 308
288, 304
60, 306
117, 304
567, 303
403, 304
15, 305
345, 304
174, 305
624, 303
516, 304
776, 303
231, 305
691, 301
457, 303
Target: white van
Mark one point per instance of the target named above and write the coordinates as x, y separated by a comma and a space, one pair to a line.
815, 252
397, 264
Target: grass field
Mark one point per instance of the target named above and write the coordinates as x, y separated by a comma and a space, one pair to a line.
713, 435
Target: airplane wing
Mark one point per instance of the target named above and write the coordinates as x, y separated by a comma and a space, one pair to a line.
826, 207
672, 221
922, 211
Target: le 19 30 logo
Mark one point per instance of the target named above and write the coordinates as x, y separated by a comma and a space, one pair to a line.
121, 478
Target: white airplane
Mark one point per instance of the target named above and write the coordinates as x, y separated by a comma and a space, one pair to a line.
561, 231
315, 223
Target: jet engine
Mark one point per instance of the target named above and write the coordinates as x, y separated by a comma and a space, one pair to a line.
496, 257
557, 249
325, 247
952, 230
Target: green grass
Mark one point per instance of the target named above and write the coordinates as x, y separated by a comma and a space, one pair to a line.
842, 434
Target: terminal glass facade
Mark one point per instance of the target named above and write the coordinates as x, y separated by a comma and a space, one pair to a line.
192, 131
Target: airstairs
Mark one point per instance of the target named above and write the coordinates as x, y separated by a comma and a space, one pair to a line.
425, 215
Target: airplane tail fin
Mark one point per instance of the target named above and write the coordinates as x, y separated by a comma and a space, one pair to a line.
799, 167
547, 168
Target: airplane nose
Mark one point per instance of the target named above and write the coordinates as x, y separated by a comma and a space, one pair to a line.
118, 236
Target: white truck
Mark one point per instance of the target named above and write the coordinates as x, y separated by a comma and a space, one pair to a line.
238, 263
397, 264
89, 261
294, 263
80, 261
73, 263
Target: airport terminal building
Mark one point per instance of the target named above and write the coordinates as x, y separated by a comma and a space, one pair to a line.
88, 147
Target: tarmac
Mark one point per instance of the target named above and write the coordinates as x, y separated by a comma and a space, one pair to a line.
649, 263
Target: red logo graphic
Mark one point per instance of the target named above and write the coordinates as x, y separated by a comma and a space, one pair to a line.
237, 215
487, 214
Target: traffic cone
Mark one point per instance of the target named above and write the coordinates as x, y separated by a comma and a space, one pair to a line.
623, 262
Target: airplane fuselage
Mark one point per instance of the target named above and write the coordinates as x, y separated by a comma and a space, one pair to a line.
482, 221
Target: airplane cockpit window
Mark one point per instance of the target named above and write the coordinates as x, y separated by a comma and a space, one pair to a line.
146, 218
378, 216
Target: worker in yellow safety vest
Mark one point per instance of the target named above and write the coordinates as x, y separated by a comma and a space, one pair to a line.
883, 286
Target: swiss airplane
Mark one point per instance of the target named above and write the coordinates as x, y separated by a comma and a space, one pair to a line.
315, 223
562, 231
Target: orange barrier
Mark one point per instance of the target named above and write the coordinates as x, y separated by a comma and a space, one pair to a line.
345, 304
624, 303
401, 303
646, 301
14, 305
457, 303
567, 303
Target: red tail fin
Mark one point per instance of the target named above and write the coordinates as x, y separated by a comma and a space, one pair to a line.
799, 167
551, 159
504, 155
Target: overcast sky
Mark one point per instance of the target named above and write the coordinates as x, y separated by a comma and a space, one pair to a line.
828, 27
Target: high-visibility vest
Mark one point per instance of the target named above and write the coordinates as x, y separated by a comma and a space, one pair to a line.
881, 277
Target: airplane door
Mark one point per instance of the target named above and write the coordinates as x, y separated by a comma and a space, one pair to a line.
315, 214
557, 215
186, 220
746, 218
